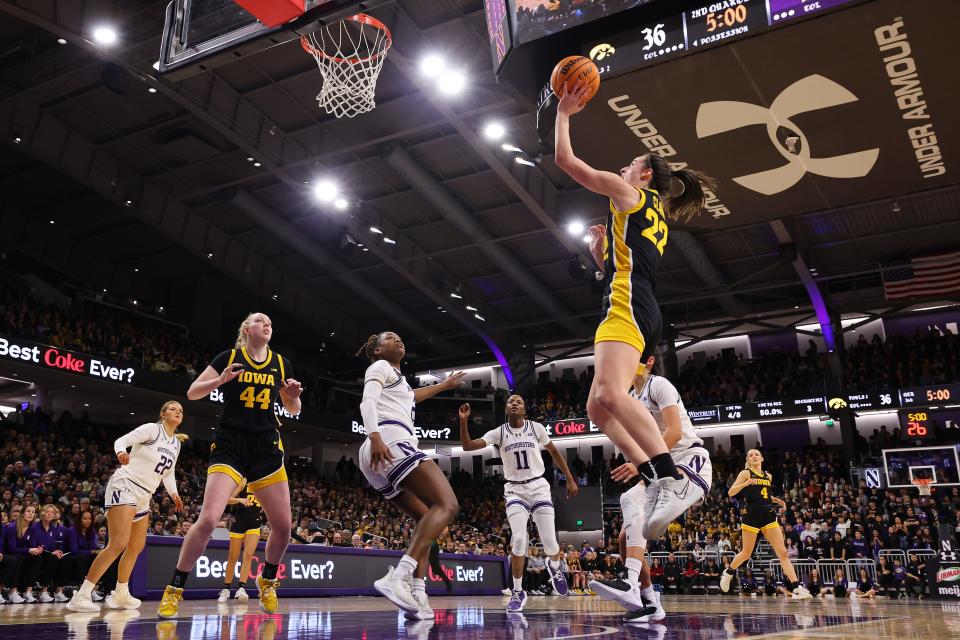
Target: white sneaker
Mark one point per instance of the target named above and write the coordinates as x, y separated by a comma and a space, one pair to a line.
801, 593
673, 499
15, 598
46, 598
96, 597
81, 604
242, 595
618, 591
30, 599
397, 591
59, 597
424, 613
127, 601
506, 592
725, 580
224, 595
660, 614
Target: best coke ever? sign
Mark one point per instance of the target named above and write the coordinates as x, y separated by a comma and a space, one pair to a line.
49, 357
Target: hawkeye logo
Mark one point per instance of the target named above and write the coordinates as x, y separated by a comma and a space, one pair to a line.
602, 51
837, 403
807, 94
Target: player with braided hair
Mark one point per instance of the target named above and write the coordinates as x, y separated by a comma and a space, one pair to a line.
391, 461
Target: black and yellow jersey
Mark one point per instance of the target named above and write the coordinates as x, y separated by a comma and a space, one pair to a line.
758, 494
636, 239
248, 399
254, 503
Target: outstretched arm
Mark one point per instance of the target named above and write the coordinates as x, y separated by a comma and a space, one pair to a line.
572, 487
623, 195
465, 441
453, 381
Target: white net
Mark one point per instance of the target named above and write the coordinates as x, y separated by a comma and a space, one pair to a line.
924, 486
350, 55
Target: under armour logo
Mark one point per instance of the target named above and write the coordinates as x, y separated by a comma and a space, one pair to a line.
807, 94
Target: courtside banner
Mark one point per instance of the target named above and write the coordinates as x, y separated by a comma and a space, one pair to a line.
49, 357
311, 570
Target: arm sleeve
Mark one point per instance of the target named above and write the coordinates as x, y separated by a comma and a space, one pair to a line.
492, 437
663, 393
372, 389
143, 433
542, 436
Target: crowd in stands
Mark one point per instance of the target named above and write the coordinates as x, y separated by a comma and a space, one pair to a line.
925, 358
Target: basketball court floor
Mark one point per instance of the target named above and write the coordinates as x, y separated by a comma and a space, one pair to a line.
689, 618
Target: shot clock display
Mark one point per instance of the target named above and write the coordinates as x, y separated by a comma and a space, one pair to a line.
916, 424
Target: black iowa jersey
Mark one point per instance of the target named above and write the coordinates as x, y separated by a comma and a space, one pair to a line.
636, 239
248, 399
758, 494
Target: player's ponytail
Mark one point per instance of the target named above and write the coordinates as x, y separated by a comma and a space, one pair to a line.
368, 348
241, 334
691, 199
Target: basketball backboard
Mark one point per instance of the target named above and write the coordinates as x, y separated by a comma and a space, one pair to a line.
202, 34
903, 466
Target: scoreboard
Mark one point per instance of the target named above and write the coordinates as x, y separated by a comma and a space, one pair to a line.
916, 424
705, 25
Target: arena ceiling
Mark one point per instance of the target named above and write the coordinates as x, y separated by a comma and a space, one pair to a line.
210, 177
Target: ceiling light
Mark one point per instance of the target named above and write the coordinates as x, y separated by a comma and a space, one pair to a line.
105, 35
128, 202
375, 230
152, 89
275, 296
524, 161
104, 290
506, 146
160, 308
340, 203
210, 255
365, 249
51, 222
249, 159
469, 308
389, 240
479, 317
61, 41
456, 295
134, 303
432, 65
439, 308
131, 413
325, 191
575, 228
588, 238
494, 131
452, 82
18, 139
136, 270
86, 404
256, 164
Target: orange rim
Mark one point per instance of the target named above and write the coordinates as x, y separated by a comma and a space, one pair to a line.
362, 18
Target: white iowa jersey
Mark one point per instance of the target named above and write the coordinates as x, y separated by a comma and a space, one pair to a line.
395, 408
520, 449
152, 458
658, 393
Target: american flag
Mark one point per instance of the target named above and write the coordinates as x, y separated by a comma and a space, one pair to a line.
925, 277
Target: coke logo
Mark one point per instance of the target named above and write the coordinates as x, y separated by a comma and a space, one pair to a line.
68, 361
569, 427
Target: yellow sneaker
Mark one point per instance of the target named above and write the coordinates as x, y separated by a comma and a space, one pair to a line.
170, 603
268, 594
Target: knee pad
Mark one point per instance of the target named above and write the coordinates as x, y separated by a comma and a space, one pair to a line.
519, 543
546, 527
633, 519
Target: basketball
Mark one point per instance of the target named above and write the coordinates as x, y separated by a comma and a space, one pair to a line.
573, 71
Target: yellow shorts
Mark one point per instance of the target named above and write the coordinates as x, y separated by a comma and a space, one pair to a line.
620, 324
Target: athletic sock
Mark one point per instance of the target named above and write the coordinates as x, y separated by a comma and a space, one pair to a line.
405, 568
419, 586
664, 467
648, 595
179, 579
730, 572
634, 566
518, 584
646, 471
86, 589
228, 585
122, 589
246, 584
270, 571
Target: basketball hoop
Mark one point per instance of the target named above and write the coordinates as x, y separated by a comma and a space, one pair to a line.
924, 485
350, 55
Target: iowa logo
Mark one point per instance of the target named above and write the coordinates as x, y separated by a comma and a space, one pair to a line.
807, 94
602, 51
837, 403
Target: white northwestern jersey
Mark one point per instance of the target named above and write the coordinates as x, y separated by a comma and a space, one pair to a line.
520, 449
658, 393
152, 458
396, 404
